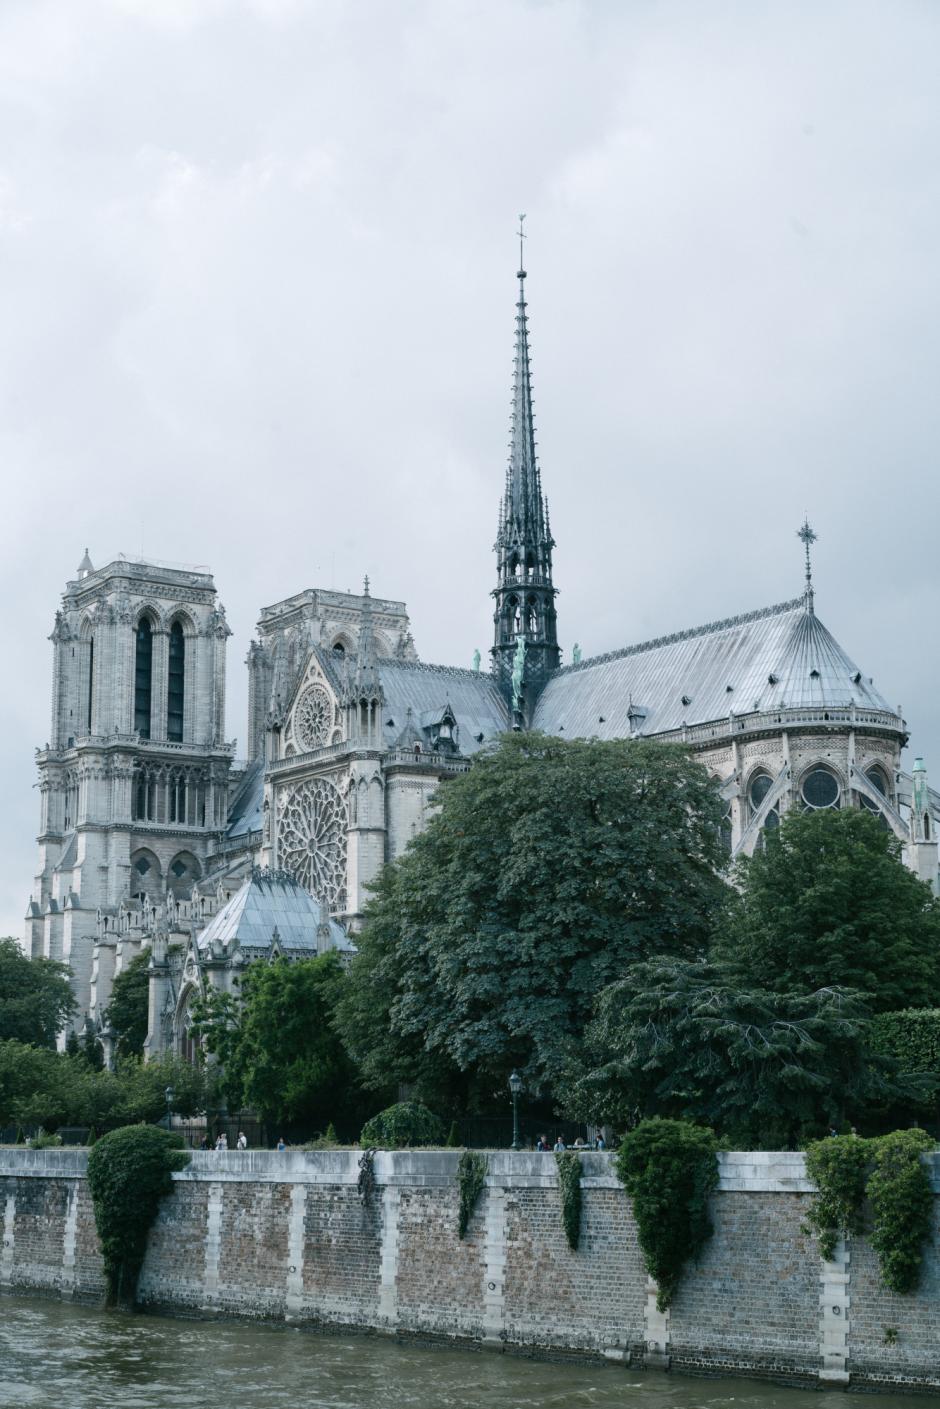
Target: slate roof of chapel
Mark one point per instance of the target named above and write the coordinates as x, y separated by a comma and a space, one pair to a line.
473, 696
266, 902
779, 657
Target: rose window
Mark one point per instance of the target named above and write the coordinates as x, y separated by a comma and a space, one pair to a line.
311, 839
313, 718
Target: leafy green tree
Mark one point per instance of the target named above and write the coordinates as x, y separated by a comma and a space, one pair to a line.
829, 902
142, 1089
35, 998
37, 1086
548, 868
280, 1051
128, 1011
680, 1039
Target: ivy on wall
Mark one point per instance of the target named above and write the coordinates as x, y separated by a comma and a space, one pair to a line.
888, 1171
471, 1179
129, 1171
670, 1170
569, 1184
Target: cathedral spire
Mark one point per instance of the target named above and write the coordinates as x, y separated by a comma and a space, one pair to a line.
525, 595
809, 538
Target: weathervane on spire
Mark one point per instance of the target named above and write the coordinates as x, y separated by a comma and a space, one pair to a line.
808, 538
522, 236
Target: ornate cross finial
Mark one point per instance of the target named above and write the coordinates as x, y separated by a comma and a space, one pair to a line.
365, 585
522, 236
808, 538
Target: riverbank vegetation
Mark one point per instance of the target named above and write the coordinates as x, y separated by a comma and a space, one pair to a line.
568, 913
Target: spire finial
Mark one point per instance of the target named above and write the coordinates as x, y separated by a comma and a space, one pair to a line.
522, 236
365, 585
808, 538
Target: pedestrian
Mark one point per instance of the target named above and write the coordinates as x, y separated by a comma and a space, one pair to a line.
600, 1143
560, 1145
241, 1143
542, 1143
222, 1143
280, 1143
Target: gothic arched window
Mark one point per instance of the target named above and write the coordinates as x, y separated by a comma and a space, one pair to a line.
175, 685
820, 789
143, 677
91, 682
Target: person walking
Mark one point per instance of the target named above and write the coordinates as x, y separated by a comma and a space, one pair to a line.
280, 1143
241, 1143
222, 1143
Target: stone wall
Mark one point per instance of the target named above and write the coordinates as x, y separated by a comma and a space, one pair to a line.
286, 1236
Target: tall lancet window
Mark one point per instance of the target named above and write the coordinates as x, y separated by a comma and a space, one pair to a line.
91, 683
176, 685
143, 678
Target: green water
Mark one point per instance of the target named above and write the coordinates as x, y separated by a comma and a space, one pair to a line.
70, 1357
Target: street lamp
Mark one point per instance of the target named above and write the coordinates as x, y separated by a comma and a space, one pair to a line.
169, 1093
515, 1086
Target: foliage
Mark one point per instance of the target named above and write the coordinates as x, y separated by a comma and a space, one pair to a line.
902, 1206
669, 1170
684, 1040
547, 868
129, 1171
453, 1136
277, 1044
35, 998
40, 1087
838, 1166
127, 1014
569, 1185
911, 1037
828, 901
402, 1125
366, 1181
471, 1180
44, 1141
87, 1048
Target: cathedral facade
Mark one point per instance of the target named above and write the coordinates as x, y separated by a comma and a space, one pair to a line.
152, 836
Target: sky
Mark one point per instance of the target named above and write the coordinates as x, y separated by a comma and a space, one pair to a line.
257, 286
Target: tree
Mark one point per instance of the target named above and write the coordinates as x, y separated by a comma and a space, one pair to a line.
128, 1011
765, 1069
548, 868
829, 902
35, 998
279, 1048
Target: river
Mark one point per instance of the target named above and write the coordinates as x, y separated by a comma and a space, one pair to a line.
55, 1356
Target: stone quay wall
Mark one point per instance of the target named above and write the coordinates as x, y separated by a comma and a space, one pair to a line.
286, 1236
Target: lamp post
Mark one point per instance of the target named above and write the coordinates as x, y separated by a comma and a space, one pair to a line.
169, 1093
515, 1086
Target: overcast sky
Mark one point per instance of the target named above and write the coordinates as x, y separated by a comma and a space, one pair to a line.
256, 311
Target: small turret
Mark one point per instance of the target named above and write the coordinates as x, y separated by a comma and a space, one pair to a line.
85, 567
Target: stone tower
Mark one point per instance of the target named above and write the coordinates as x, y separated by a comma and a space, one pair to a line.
525, 642
134, 780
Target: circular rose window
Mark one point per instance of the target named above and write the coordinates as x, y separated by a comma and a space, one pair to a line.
820, 789
313, 718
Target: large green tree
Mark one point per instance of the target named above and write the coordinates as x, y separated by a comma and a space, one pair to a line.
828, 901
764, 1068
548, 868
35, 998
278, 1046
127, 1013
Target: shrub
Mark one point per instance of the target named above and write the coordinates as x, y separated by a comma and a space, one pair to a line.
838, 1167
129, 1171
902, 1205
453, 1141
669, 1170
569, 1184
45, 1141
400, 1126
471, 1180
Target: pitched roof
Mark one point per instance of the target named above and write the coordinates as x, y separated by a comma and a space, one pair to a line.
426, 690
776, 658
269, 901
245, 812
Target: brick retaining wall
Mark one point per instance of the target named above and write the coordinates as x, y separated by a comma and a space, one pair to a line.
263, 1234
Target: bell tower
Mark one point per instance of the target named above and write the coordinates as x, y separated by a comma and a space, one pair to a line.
525, 641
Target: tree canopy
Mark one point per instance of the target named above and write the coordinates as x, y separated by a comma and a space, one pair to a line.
548, 868
765, 1068
127, 1013
277, 1044
35, 998
828, 901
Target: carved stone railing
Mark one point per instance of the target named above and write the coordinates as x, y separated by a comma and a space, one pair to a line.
770, 720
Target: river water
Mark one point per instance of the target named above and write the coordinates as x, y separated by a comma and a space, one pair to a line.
54, 1356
